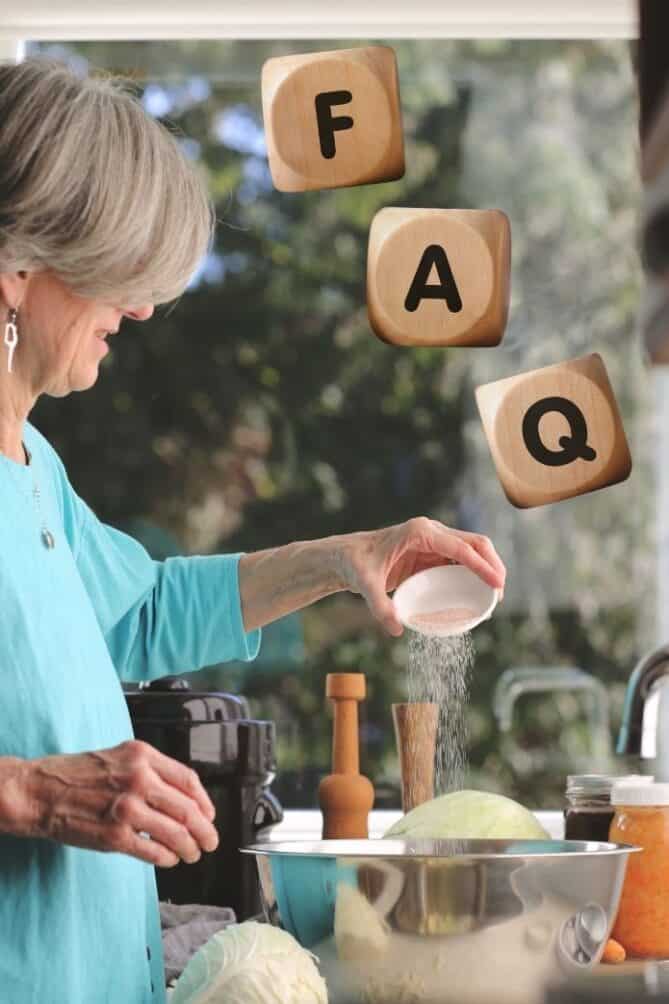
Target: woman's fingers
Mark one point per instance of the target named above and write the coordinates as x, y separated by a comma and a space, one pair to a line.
373, 590
485, 548
184, 778
169, 818
479, 559
183, 813
162, 828
118, 838
173, 807
152, 852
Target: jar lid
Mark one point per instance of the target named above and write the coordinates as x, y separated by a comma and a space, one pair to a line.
589, 784
601, 784
627, 792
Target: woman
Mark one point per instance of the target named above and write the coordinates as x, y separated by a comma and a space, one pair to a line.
101, 217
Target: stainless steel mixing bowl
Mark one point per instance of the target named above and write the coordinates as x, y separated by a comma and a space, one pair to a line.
443, 921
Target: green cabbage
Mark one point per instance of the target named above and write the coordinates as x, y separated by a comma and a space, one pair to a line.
468, 815
251, 963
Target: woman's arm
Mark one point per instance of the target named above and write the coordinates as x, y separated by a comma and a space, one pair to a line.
372, 563
184, 613
279, 580
157, 617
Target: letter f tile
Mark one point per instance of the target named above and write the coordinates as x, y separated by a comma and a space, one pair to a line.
333, 119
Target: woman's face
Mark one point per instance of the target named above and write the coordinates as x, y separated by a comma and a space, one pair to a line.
63, 337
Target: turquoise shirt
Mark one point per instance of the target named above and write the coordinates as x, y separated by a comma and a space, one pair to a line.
80, 926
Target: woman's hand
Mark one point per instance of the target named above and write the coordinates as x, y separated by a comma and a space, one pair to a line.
105, 799
374, 563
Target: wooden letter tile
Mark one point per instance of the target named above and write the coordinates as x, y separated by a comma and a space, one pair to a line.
555, 432
333, 119
439, 276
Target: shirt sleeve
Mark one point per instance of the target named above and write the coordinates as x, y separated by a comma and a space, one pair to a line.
157, 617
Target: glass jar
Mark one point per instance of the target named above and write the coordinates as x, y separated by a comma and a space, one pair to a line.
589, 812
642, 818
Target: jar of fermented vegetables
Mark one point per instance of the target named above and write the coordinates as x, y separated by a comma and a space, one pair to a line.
642, 818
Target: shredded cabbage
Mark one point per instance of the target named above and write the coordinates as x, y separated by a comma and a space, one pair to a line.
251, 963
360, 933
469, 815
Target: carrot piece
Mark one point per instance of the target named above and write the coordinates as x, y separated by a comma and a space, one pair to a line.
613, 952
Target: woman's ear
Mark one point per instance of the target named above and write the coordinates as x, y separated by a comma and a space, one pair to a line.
13, 287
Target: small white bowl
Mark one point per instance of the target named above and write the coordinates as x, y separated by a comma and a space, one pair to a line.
444, 601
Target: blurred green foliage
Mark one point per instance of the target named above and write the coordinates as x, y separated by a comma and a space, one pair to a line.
261, 409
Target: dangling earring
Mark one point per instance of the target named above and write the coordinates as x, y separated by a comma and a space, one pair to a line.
11, 337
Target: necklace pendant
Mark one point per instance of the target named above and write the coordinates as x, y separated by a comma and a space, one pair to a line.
48, 539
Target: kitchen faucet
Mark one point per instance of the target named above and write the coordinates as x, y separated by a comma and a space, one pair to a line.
645, 725
533, 679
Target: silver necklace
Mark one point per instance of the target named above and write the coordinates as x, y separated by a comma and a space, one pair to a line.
46, 535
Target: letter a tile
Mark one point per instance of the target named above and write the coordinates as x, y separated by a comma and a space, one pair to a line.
555, 432
439, 276
333, 119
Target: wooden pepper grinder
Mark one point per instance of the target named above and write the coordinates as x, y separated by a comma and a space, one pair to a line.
416, 738
345, 796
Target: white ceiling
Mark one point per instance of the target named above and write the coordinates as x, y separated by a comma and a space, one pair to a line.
76, 19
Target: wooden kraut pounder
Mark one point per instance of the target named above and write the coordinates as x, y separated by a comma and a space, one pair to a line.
345, 796
416, 738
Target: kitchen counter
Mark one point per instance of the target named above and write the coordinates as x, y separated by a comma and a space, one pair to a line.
628, 983
305, 824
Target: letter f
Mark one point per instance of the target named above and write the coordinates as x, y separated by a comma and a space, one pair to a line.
329, 124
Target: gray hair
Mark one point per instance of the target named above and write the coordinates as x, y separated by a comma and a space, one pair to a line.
93, 189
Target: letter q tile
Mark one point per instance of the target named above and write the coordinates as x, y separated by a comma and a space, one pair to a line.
555, 432
333, 119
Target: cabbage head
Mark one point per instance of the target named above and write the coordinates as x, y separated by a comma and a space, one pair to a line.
469, 815
251, 963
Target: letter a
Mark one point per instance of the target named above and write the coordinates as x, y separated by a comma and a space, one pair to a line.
446, 289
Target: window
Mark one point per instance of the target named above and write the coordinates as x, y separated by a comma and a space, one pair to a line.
262, 409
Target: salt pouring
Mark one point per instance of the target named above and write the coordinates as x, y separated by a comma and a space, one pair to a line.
444, 601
